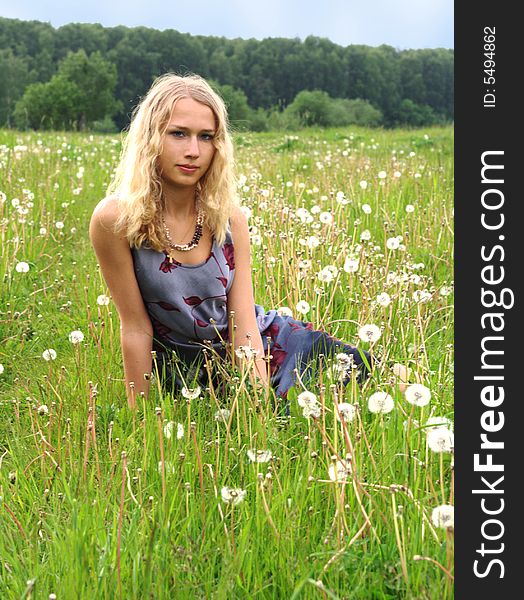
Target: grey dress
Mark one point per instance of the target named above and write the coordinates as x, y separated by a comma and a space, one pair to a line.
187, 305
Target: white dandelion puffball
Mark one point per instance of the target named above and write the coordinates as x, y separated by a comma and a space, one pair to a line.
190, 393
285, 311
312, 410
366, 209
418, 394
325, 217
443, 516
103, 300
312, 242
365, 235
76, 337
363, 184
246, 352
327, 274
437, 422
232, 495
384, 299
410, 208
222, 414
381, 402
346, 412
421, 296
440, 439
306, 398
259, 456
340, 471
382, 174
393, 243
302, 307
43, 410
59, 225
1, 368
169, 428
22, 267
49, 354
350, 265
343, 363
369, 333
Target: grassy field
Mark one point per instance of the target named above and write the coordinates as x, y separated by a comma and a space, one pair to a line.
173, 501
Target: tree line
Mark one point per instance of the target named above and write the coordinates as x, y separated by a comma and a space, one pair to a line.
89, 76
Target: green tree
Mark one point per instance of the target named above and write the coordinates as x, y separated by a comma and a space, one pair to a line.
95, 78
311, 108
79, 94
51, 105
14, 76
238, 110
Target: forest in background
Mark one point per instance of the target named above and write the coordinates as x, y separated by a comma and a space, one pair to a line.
86, 76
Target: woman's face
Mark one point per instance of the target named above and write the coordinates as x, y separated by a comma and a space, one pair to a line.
188, 148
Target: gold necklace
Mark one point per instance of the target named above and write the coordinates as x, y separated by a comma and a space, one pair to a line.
196, 236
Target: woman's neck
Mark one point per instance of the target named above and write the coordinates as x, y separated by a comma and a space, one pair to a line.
180, 204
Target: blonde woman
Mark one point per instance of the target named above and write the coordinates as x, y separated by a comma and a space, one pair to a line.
173, 247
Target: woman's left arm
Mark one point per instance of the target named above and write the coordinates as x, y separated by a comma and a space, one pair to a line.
240, 297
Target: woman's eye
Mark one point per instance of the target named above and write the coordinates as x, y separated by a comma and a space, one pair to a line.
177, 133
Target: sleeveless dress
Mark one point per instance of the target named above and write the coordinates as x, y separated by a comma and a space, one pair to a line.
187, 305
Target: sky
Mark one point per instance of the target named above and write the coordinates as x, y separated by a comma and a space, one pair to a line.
401, 23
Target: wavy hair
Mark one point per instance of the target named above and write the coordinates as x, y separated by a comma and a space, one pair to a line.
137, 183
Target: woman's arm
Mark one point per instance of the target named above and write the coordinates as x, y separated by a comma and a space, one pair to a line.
116, 263
240, 297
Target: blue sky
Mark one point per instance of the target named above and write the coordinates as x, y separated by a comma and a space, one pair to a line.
401, 24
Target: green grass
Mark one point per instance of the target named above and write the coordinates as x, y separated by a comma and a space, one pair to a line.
86, 512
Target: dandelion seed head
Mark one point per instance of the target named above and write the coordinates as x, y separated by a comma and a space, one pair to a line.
223, 415
346, 412
232, 495
437, 422
103, 300
302, 307
384, 299
369, 333
380, 402
392, 243
340, 471
443, 516
259, 456
418, 394
190, 393
76, 337
440, 440
49, 354
22, 267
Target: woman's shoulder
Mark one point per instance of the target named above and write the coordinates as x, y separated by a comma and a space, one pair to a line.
105, 219
238, 221
107, 211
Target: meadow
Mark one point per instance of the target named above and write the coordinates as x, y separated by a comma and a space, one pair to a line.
214, 494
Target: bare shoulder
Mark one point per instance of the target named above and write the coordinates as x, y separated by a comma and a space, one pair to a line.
238, 220
105, 214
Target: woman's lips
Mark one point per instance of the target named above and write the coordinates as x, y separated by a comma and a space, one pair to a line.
187, 168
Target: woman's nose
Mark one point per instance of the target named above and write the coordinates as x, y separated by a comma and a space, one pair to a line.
193, 148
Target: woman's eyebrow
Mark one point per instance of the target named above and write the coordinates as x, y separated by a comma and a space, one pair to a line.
175, 126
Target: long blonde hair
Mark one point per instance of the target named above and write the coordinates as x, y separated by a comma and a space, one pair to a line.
137, 182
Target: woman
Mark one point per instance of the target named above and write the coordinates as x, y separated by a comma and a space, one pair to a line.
173, 247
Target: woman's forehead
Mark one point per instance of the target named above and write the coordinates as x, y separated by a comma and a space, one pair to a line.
192, 114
